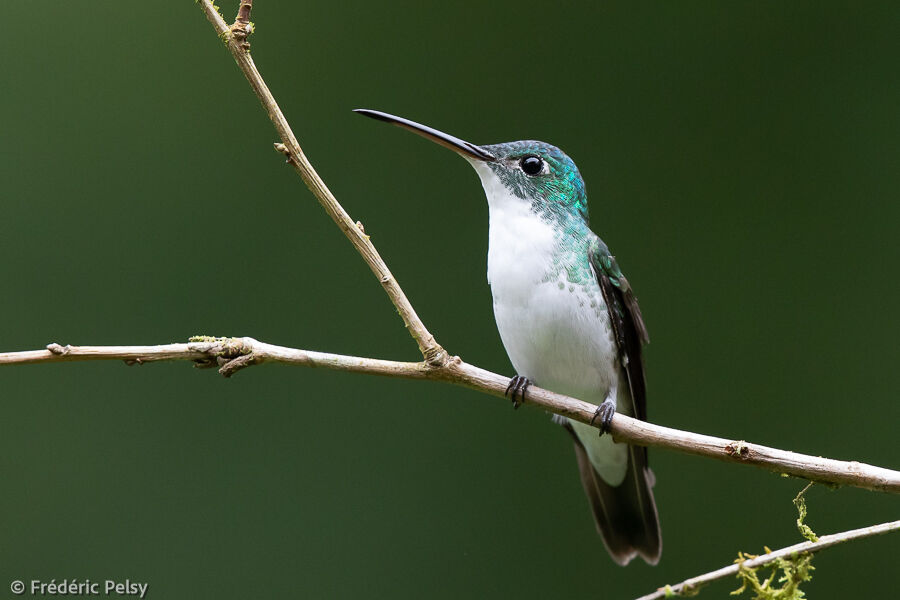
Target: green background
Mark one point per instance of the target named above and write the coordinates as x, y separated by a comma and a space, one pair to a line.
741, 160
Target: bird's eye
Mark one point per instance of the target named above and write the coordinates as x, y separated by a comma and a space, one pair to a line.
532, 165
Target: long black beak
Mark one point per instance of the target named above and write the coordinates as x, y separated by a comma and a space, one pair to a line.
444, 139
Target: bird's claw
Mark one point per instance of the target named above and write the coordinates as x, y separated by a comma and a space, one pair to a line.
516, 390
605, 414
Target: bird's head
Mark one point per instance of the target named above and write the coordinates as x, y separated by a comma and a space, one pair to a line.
536, 173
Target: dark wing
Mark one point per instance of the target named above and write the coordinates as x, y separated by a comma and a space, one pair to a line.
625, 514
627, 322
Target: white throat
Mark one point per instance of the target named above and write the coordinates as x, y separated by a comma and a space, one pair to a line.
520, 244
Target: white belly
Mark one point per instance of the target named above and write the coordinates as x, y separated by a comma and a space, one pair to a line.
557, 334
556, 338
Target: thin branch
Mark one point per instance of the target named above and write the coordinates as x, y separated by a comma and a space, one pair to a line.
456, 371
243, 15
207, 351
235, 37
691, 585
233, 354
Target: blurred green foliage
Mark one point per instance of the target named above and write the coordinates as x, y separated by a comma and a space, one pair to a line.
741, 160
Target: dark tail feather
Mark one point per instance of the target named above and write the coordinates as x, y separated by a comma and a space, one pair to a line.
625, 515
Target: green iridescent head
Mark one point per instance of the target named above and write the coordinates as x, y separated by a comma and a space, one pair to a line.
536, 172
541, 173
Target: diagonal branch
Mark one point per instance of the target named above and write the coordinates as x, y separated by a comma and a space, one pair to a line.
454, 370
689, 586
233, 354
235, 37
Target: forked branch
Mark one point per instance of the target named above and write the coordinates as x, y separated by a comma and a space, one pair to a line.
235, 37
233, 354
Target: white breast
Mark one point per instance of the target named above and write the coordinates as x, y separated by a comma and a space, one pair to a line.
556, 333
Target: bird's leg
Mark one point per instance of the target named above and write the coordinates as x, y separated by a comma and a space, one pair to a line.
604, 413
516, 390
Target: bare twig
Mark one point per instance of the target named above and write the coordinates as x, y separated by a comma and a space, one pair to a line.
826, 541
431, 350
242, 28
211, 351
244, 9
443, 367
233, 354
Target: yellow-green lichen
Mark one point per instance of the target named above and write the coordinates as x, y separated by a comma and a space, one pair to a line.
794, 570
800, 503
206, 338
687, 590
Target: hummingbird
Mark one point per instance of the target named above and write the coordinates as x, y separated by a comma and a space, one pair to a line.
568, 319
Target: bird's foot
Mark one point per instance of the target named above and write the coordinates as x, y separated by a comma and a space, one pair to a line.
604, 414
516, 390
